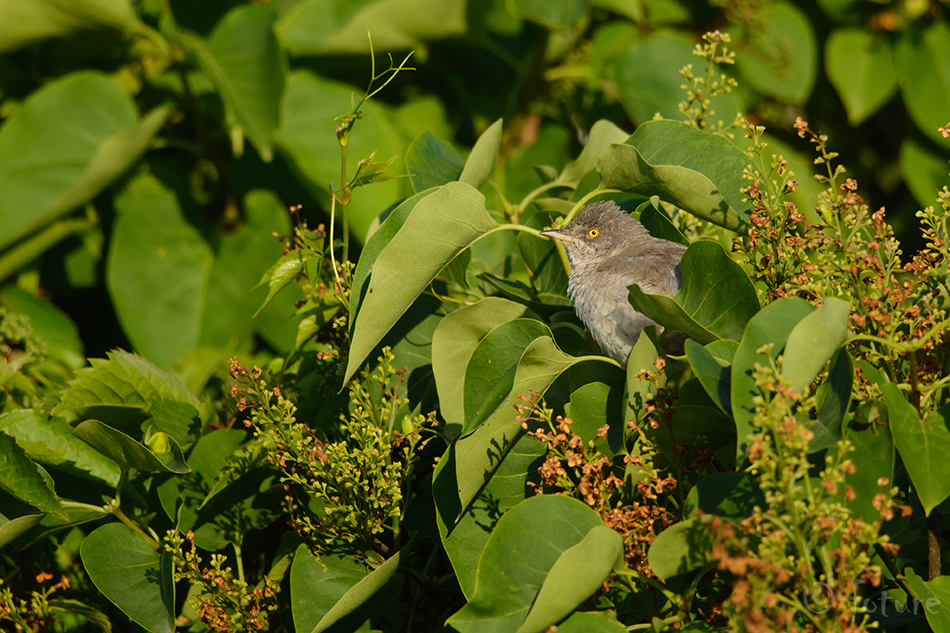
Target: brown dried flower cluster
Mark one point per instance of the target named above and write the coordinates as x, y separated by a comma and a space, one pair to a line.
577, 468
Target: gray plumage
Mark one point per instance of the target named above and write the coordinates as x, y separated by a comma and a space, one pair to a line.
609, 251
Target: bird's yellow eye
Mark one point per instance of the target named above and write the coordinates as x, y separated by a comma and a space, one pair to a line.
593, 232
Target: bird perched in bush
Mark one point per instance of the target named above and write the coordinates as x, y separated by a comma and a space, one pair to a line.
609, 251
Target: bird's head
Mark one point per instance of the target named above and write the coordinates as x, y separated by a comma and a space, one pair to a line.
600, 230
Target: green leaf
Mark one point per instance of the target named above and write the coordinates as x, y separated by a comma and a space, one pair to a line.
283, 272
772, 324
934, 597
813, 341
780, 59
924, 80
244, 61
577, 573
49, 323
923, 446
229, 307
316, 585
24, 531
21, 478
591, 622
453, 343
694, 170
594, 406
860, 65
359, 593
658, 223
128, 571
71, 139
431, 162
649, 81
491, 370
375, 245
464, 537
562, 16
441, 225
732, 495
319, 27
680, 548
602, 134
161, 455
24, 23
873, 457
833, 398
924, 167
124, 380
713, 373
480, 452
481, 162
538, 548
715, 301
50, 441
152, 243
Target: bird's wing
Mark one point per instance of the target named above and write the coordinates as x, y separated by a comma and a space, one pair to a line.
656, 275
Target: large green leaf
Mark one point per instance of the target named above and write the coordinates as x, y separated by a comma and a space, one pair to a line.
716, 299
50, 441
359, 593
649, 81
431, 162
832, 399
128, 571
772, 324
713, 372
591, 621
240, 257
464, 537
924, 167
935, 600
923, 445
813, 341
453, 344
562, 16
780, 60
161, 455
697, 171
24, 530
317, 27
481, 162
732, 495
680, 548
860, 65
873, 458
71, 139
545, 557
152, 244
22, 23
479, 453
440, 226
924, 79
316, 585
244, 61
491, 370
124, 380
21, 477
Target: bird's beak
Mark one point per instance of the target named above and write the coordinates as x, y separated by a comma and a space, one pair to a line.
558, 235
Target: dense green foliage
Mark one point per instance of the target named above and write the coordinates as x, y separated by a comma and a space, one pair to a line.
282, 348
